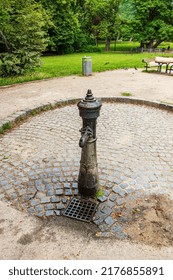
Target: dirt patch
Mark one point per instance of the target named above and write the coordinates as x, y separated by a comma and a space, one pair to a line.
150, 221
25, 239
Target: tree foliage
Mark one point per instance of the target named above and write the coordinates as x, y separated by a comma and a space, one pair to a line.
150, 22
65, 29
102, 20
22, 35
65, 26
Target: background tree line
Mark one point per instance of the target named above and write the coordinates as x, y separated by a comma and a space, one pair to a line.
31, 27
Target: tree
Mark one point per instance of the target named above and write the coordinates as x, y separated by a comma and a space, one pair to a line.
111, 22
127, 14
65, 29
22, 35
153, 22
102, 19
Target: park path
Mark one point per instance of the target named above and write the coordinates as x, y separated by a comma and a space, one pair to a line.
157, 87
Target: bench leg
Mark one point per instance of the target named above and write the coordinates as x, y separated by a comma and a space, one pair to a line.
170, 69
167, 65
159, 68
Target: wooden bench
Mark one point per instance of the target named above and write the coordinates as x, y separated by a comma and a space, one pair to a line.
150, 63
158, 62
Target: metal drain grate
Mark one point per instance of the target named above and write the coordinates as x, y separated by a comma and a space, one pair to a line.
80, 209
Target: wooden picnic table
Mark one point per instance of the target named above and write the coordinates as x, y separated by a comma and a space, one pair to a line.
167, 61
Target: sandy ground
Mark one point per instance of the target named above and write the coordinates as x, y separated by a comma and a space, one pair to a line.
150, 86
25, 237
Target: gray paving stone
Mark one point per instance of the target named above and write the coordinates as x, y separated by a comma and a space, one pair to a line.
66, 185
68, 192
49, 206
109, 203
35, 202
50, 193
119, 201
98, 221
39, 208
55, 199
7, 187
28, 197
31, 210
49, 187
76, 192
39, 214
105, 234
103, 227
64, 200
109, 221
49, 213
56, 170
130, 190
107, 210
102, 198
124, 186
54, 180
60, 206
113, 197
57, 186
38, 183
119, 191
74, 185
46, 180
45, 199
116, 228
106, 193
117, 181
58, 212
59, 192
13, 195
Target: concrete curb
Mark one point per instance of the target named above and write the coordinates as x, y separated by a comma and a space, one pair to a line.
20, 116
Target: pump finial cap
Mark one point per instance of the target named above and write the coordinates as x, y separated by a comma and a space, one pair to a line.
89, 96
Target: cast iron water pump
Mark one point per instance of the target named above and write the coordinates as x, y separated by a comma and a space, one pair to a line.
89, 110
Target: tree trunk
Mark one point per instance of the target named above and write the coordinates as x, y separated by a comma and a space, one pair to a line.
142, 44
7, 48
107, 44
157, 43
150, 44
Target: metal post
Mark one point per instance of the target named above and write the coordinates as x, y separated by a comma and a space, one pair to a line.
89, 110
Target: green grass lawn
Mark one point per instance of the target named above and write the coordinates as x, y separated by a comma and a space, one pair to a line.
71, 64
122, 46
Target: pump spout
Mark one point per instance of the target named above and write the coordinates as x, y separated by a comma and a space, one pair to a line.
86, 133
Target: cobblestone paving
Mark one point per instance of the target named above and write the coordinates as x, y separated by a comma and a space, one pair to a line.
39, 161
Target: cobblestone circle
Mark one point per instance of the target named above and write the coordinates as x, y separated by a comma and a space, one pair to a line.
39, 161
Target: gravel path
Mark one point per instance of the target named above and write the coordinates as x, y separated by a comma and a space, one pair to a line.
148, 86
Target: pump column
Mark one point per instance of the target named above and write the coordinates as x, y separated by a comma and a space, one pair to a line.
89, 110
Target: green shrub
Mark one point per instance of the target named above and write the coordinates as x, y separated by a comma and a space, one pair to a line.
91, 49
18, 63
